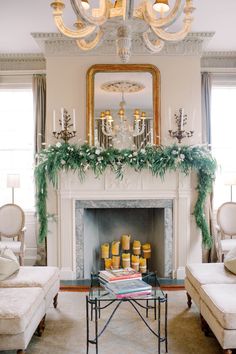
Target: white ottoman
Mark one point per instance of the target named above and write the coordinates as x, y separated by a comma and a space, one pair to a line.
21, 311
46, 278
205, 273
218, 307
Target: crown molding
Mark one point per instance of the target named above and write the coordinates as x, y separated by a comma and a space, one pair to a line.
20, 61
218, 60
56, 44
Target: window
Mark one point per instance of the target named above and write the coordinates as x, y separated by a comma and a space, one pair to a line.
17, 142
223, 128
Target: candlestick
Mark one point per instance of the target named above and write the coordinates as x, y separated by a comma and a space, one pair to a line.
181, 111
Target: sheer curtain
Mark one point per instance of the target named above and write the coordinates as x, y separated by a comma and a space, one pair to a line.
39, 106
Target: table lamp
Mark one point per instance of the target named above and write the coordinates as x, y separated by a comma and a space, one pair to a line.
13, 181
230, 180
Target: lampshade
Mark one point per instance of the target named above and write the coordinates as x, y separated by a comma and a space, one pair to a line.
161, 6
85, 4
13, 181
230, 179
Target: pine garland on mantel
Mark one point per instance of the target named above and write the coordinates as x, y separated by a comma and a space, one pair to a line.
157, 159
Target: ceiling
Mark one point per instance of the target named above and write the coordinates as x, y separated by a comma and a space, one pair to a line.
19, 18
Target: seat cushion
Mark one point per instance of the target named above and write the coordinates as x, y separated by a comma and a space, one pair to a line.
221, 300
13, 245
228, 244
209, 273
42, 277
230, 260
17, 307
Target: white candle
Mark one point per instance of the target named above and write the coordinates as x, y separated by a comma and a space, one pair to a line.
62, 118
74, 128
181, 119
54, 121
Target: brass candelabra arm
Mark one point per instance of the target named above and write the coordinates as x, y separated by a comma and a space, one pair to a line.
181, 121
65, 123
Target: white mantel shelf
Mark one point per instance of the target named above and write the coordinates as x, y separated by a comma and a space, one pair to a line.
134, 185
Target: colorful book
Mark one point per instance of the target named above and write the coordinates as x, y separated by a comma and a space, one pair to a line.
134, 294
113, 275
128, 286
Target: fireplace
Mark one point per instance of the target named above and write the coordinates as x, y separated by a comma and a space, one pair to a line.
100, 221
170, 200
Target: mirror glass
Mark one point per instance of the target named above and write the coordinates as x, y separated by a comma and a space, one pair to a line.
123, 106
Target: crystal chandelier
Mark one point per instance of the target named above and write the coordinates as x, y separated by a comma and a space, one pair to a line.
123, 132
152, 21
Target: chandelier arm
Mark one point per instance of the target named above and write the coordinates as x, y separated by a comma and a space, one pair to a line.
175, 36
80, 33
102, 12
149, 14
153, 47
109, 132
88, 45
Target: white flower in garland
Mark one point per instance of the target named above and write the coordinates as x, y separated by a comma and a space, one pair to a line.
97, 151
182, 157
58, 144
63, 162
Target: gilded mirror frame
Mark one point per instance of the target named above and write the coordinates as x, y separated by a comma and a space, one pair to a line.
114, 68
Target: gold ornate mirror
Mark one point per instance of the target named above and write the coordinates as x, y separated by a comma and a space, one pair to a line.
123, 105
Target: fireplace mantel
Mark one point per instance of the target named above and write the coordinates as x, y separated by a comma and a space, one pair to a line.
134, 185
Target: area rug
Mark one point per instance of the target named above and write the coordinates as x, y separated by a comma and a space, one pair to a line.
65, 331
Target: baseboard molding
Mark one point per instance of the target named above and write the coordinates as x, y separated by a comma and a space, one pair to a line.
180, 273
67, 274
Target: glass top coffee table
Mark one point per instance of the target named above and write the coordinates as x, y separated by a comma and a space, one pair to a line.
99, 299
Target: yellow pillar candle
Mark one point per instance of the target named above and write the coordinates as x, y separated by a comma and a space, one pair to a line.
115, 262
105, 250
143, 265
108, 263
136, 247
115, 248
135, 262
146, 250
125, 242
125, 260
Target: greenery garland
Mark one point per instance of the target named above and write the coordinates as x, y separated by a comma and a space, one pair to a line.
157, 159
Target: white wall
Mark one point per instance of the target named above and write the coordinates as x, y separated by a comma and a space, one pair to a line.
66, 87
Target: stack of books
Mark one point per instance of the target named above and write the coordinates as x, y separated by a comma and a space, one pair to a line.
124, 283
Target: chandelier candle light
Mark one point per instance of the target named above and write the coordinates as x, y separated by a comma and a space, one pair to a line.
180, 133
154, 19
65, 123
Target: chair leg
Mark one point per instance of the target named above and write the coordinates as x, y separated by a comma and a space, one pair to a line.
55, 302
227, 351
205, 327
21, 351
189, 300
21, 260
41, 326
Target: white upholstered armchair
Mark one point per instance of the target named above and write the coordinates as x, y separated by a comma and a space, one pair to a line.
226, 229
12, 226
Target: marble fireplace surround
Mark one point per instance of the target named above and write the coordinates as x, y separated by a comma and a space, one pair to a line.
155, 225
176, 188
